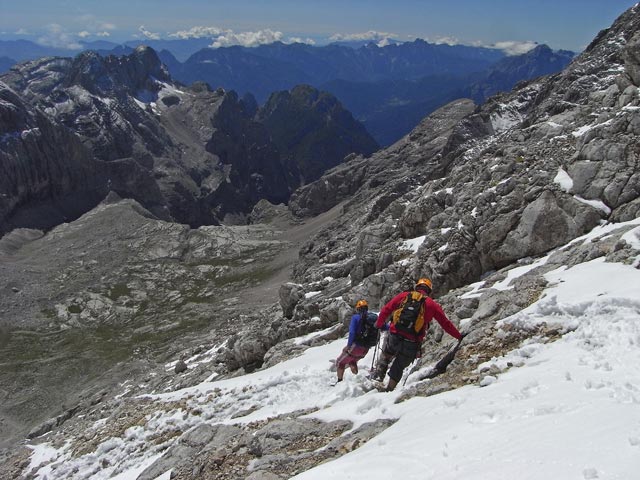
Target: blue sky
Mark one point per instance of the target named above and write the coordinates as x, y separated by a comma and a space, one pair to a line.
568, 24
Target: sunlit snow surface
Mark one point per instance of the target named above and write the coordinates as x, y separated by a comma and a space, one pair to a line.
567, 410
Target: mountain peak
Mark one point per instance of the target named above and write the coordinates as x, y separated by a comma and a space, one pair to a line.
133, 72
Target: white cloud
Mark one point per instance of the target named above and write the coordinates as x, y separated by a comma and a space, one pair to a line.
371, 35
103, 34
22, 31
199, 32
226, 37
514, 48
308, 41
508, 47
84, 34
247, 39
58, 37
148, 34
446, 41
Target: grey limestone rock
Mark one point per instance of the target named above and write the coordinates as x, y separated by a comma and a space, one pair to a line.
290, 294
204, 437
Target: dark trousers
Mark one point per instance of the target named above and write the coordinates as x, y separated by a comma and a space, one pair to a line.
398, 351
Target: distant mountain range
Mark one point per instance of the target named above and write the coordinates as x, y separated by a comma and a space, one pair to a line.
389, 89
278, 66
389, 109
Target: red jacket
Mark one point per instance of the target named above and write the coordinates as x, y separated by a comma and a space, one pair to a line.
431, 310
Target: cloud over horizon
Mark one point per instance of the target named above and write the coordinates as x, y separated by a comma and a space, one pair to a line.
247, 39
198, 32
381, 38
514, 47
147, 34
226, 37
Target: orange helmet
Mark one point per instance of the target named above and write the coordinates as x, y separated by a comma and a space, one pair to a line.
424, 282
362, 304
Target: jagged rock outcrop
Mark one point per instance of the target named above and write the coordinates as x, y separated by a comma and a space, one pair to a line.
46, 174
49, 177
193, 155
380, 173
324, 131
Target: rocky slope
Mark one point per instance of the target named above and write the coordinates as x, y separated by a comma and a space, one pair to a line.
523, 173
193, 155
474, 193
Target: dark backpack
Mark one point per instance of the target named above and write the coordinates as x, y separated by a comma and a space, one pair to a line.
408, 318
367, 335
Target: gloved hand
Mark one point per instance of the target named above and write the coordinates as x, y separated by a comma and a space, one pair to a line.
385, 327
348, 349
462, 335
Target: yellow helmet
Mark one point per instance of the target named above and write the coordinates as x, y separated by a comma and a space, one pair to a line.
361, 304
424, 282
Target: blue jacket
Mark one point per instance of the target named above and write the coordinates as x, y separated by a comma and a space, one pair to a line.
355, 322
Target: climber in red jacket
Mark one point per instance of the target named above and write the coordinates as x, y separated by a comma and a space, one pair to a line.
411, 312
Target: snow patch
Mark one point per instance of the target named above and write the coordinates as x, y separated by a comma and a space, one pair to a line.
413, 243
597, 204
632, 237
517, 272
563, 179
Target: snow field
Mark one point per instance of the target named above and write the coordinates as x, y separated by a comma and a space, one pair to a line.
572, 412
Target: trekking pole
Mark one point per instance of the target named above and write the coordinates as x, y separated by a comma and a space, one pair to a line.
375, 351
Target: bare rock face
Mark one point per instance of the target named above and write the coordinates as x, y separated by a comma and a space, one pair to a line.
632, 59
312, 117
34, 150
192, 155
290, 294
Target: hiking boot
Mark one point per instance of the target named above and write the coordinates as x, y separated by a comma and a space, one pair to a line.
391, 385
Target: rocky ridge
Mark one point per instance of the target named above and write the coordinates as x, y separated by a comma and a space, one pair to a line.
192, 155
472, 194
